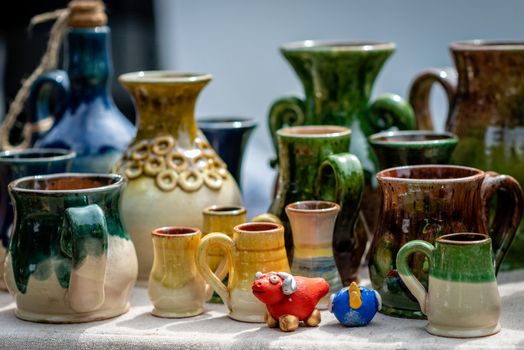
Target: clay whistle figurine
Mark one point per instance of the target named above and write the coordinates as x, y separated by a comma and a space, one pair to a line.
289, 299
355, 306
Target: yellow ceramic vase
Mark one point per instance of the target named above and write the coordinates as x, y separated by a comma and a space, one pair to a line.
254, 247
172, 171
176, 288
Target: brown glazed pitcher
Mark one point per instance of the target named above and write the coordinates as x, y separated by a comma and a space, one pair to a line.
426, 202
486, 111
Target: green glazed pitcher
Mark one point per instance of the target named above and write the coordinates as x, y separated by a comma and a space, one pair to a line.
462, 299
338, 78
314, 164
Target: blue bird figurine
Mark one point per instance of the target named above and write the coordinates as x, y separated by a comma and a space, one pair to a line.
355, 306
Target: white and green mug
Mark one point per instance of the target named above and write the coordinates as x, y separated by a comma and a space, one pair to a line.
462, 299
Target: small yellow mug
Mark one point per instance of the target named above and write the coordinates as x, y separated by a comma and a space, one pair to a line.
255, 246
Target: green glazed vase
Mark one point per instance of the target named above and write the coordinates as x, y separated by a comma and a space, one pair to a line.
486, 108
462, 299
314, 164
70, 258
412, 147
338, 78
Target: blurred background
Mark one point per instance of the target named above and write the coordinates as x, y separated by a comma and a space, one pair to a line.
238, 42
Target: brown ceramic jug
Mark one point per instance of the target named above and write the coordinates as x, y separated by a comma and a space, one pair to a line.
426, 202
486, 111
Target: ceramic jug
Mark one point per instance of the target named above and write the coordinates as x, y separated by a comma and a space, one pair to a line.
228, 137
173, 173
176, 288
428, 201
412, 147
312, 225
338, 79
485, 111
70, 258
86, 119
462, 298
314, 164
20, 163
255, 247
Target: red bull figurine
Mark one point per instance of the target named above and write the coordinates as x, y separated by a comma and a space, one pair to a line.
289, 299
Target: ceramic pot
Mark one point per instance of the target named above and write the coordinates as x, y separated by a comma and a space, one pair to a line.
172, 170
86, 120
176, 289
338, 79
412, 147
228, 137
427, 201
314, 164
312, 225
17, 164
255, 247
485, 111
462, 299
70, 258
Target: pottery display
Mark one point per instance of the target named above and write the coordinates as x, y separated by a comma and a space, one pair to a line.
355, 306
428, 201
70, 258
86, 119
20, 163
338, 79
312, 224
289, 299
255, 246
412, 147
176, 288
228, 137
314, 164
462, 299
485, 111
172, 171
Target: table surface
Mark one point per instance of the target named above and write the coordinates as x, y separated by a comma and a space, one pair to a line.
213, 330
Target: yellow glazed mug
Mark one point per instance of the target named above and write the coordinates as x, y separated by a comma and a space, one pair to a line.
176, 289
255, 246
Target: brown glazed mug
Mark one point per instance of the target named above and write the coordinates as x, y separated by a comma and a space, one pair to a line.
427, 201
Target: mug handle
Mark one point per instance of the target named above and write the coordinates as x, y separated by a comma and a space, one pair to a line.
286, 111
507, 215
225, 243
405, 273
40, 96
84, 240
421, 88
340, 179
391, 110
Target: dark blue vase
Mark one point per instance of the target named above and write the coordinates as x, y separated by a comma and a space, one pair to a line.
229, 137
87, 120
28, 162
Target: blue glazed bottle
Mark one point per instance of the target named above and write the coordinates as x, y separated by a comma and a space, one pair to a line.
87, 120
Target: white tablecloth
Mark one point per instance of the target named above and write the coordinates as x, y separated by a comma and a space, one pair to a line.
212, 330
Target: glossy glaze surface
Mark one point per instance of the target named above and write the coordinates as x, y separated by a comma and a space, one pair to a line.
176, 288
255, 247
486, 94
355, 306
314, 164
70, 258
462, 298
87, 121
427, 201
172, 170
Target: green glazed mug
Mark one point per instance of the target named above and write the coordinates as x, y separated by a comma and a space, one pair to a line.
314, 164
462, 298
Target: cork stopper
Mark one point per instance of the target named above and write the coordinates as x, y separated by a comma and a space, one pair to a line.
87, 13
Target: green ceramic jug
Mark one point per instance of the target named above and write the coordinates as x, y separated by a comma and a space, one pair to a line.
338, 78
314, 164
